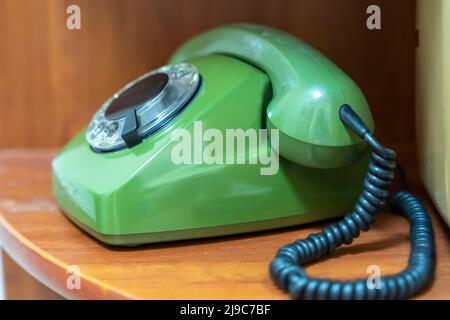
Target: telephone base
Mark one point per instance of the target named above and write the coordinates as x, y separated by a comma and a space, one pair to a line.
140, 195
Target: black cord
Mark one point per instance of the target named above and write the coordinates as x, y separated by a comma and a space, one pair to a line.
286, 269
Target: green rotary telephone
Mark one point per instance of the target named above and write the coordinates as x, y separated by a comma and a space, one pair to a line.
152, 165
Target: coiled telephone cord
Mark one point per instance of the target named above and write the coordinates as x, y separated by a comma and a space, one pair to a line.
287, 271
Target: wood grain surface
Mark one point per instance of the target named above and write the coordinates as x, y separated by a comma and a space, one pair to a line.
53, 79
20, 285
35, 234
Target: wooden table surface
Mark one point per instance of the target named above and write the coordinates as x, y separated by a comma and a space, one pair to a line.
41, 240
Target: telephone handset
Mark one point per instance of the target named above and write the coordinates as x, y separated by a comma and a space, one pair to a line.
120, 181
308, 90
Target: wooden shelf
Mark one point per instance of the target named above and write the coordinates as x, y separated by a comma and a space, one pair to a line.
41, 240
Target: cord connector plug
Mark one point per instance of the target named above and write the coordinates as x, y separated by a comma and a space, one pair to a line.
352, 120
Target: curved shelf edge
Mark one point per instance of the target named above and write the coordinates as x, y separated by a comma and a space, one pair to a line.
49, 270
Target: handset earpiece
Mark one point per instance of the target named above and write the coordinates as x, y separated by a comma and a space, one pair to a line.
308, 90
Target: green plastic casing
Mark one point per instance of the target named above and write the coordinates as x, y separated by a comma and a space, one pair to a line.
138, 195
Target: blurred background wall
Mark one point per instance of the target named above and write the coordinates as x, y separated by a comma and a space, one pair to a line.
53, 79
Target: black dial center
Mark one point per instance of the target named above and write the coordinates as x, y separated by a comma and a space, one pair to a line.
135, 96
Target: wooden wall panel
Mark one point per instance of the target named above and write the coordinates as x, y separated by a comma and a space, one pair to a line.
53, 79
